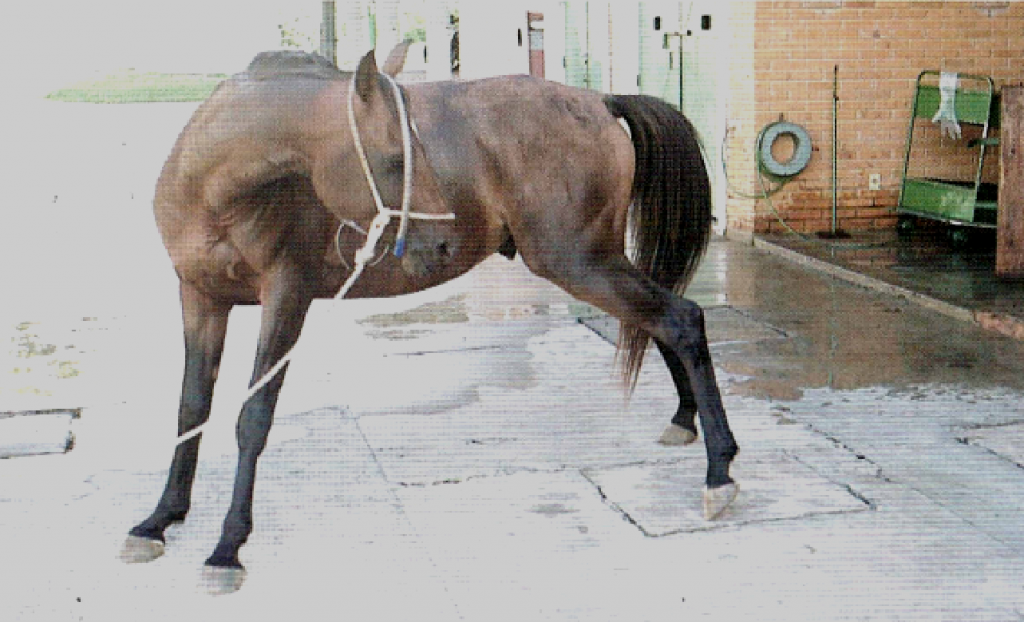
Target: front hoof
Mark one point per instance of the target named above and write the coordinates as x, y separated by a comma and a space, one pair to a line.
717, 499
677, 436
221, 580
137, 550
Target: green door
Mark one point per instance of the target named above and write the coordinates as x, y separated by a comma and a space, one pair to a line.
701, 76
660, 75
681, 56
583, 20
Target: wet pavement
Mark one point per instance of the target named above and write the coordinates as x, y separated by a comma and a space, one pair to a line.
951, 269
468, 454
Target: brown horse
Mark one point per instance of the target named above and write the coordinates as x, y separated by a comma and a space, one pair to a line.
261, 181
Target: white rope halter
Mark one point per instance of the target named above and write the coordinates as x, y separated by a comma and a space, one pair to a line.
380, 222
385, 213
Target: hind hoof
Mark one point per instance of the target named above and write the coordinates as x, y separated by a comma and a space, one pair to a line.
676, 436
716, 500
221, 580
138, 550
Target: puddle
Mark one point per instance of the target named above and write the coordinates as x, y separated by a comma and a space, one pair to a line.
844, 337
450, 311
780, 331
872, 349
467, 307
927, 261
473, 306
398, 334
725, 326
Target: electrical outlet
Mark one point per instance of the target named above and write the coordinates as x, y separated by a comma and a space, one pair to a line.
875, 181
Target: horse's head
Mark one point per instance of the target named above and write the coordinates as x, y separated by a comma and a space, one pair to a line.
396, 170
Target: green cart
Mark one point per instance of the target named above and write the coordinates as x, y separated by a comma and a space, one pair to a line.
963, 202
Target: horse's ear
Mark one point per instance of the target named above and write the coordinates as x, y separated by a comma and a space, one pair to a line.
396, 59
366, 77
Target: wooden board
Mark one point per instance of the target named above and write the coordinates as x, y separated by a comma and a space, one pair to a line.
1010, 237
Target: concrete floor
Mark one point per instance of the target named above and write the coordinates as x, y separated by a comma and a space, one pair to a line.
467, 454
461, 457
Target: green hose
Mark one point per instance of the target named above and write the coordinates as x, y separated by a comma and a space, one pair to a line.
762, 171
765, 170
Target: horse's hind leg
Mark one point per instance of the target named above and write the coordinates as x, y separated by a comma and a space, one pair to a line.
677, 324
683, 429
205, 322
285, 298
682, 331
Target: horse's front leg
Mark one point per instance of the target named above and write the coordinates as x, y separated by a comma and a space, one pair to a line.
205, 322
285, 299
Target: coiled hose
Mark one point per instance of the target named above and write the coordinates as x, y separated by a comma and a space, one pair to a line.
781, 173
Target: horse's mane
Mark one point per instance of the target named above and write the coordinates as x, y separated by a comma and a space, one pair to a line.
284, 63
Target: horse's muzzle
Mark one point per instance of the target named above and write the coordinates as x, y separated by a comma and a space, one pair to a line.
424, 257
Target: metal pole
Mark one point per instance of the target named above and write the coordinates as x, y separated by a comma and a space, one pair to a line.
371, 16
586, 52
329, 33
682, 76
835, 150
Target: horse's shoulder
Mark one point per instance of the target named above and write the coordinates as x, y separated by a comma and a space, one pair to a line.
284, 63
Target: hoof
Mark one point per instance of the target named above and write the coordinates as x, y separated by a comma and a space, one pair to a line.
221, 580
676, 436
138, 550
717, 499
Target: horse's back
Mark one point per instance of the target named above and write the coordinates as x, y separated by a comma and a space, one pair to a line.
524, 104
291, 63
534, 155
511, 124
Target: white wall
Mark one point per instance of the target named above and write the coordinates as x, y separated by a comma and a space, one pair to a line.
625, 47
489, 43
439, 39
554, 41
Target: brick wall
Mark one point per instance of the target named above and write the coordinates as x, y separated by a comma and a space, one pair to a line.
782, 64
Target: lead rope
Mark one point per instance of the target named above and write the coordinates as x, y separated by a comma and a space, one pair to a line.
380, 222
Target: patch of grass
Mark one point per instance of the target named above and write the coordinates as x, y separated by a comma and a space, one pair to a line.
133, 87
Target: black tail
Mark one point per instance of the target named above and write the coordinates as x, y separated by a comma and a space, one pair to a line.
671, 215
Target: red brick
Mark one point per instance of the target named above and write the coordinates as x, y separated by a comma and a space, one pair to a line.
880, 48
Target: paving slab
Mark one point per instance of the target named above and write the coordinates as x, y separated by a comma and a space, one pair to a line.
35, 433
332, 534
776, 487
537, 546
1006, 441
918, 443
